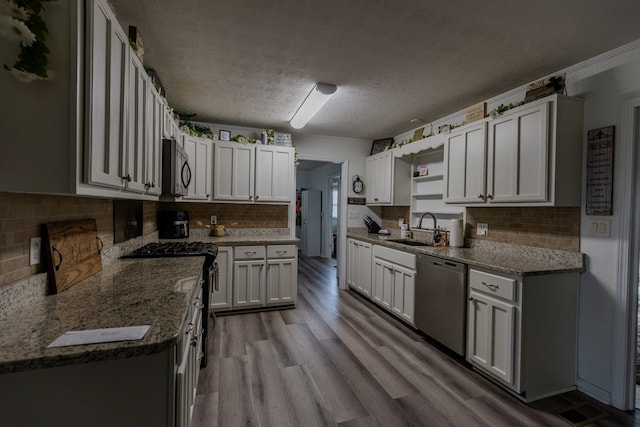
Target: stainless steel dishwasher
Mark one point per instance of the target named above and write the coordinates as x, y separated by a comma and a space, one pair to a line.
441, 301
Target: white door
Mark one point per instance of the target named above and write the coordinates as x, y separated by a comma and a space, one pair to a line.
311, 222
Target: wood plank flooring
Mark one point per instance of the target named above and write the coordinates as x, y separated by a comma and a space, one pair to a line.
337, 359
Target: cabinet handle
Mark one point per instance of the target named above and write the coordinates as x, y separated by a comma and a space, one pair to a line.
250, 197
250, 253
127, 177
281, 252
470, 298
491, 286
490, 196
257, 197
375, 199
480, 196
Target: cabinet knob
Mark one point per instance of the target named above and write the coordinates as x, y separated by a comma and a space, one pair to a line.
250, 197
257, 197
127, 177
470, 298
490, 196
480, 196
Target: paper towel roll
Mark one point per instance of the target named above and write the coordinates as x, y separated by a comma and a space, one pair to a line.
456, 235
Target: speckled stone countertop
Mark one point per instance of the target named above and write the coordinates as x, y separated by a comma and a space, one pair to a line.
245, 236
129, 292
499, 257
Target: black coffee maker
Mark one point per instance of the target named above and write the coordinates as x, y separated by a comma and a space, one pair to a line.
173, 224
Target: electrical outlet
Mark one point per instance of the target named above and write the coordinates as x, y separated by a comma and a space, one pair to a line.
34, 250
214, 219
483, 229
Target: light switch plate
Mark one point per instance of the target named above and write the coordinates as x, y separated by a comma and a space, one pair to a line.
599, 228
35, 246
214, 219
482, 229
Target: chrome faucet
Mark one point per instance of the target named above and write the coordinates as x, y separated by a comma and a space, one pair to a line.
432, 216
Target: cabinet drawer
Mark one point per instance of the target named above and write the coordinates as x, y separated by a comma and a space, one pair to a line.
249, 252
499, 286
281, 251
397, 257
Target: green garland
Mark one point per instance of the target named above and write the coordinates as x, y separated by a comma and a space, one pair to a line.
32, 60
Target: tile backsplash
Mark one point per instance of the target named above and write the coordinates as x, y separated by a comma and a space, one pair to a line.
544, 227
22, 216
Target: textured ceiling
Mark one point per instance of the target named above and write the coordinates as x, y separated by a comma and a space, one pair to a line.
251, 62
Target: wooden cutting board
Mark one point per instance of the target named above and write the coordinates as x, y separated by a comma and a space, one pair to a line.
72, 249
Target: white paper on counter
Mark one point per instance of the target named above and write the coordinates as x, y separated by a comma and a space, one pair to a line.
95, 336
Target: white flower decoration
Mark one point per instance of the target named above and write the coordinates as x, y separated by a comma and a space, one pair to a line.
16, 30
9, 7
26, 77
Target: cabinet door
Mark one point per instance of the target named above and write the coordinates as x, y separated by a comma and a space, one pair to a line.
352, 247
379, 170
465, 165
153, 141
518, 156
200, 160
136, 126
274, 172
107, 98
383, 282
282, 281
222, 298
248, 283
233, 172
363, 268
490, 336
403, 293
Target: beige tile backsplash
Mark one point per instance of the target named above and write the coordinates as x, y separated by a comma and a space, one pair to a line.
544, 227
22, 216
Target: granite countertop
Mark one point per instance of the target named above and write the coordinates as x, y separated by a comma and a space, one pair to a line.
245, 237
129, 292
499, 257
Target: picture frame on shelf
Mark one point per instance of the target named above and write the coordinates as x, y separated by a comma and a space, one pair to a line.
283, 139
418, 134
224, 135
379, 145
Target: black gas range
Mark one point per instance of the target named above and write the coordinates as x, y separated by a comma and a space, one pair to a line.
209, 274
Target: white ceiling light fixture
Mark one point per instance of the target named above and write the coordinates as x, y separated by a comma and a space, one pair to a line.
319, 95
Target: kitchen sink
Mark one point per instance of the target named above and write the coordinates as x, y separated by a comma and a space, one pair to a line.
410, 242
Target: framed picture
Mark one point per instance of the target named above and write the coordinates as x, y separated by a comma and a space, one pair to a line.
224, 135
282, 139
379, 145
417, 134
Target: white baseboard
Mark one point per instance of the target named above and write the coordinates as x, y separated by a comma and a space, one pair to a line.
594, 391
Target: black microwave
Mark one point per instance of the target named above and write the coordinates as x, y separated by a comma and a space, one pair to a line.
176, 172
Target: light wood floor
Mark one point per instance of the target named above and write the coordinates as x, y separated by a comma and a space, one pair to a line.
337, 359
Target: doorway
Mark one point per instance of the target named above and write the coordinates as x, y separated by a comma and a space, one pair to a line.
323, 178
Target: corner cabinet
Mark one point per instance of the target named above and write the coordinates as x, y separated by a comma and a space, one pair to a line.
529, 156
252, 173
387, 181
522, 331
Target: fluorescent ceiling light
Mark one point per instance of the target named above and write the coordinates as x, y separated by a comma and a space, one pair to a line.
319, 95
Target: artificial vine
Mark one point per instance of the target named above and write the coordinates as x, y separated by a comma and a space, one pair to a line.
20, 21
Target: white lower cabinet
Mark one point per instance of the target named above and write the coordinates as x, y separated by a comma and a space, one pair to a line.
249, 276
282, 274
221, 299
522, 331
394, 275
359, 266
262, 276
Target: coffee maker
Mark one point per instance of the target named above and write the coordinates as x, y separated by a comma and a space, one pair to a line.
173, 224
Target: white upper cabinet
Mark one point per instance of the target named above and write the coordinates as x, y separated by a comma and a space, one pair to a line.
529, 156
388, 180
107, 94
252, 173
274, 173
464, 157
233, 171
518, 156
153, 145
200, 155
135, 154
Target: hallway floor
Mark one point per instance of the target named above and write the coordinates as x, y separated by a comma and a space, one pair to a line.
337, 359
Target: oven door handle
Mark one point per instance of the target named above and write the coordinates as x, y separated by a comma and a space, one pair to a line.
216, 277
